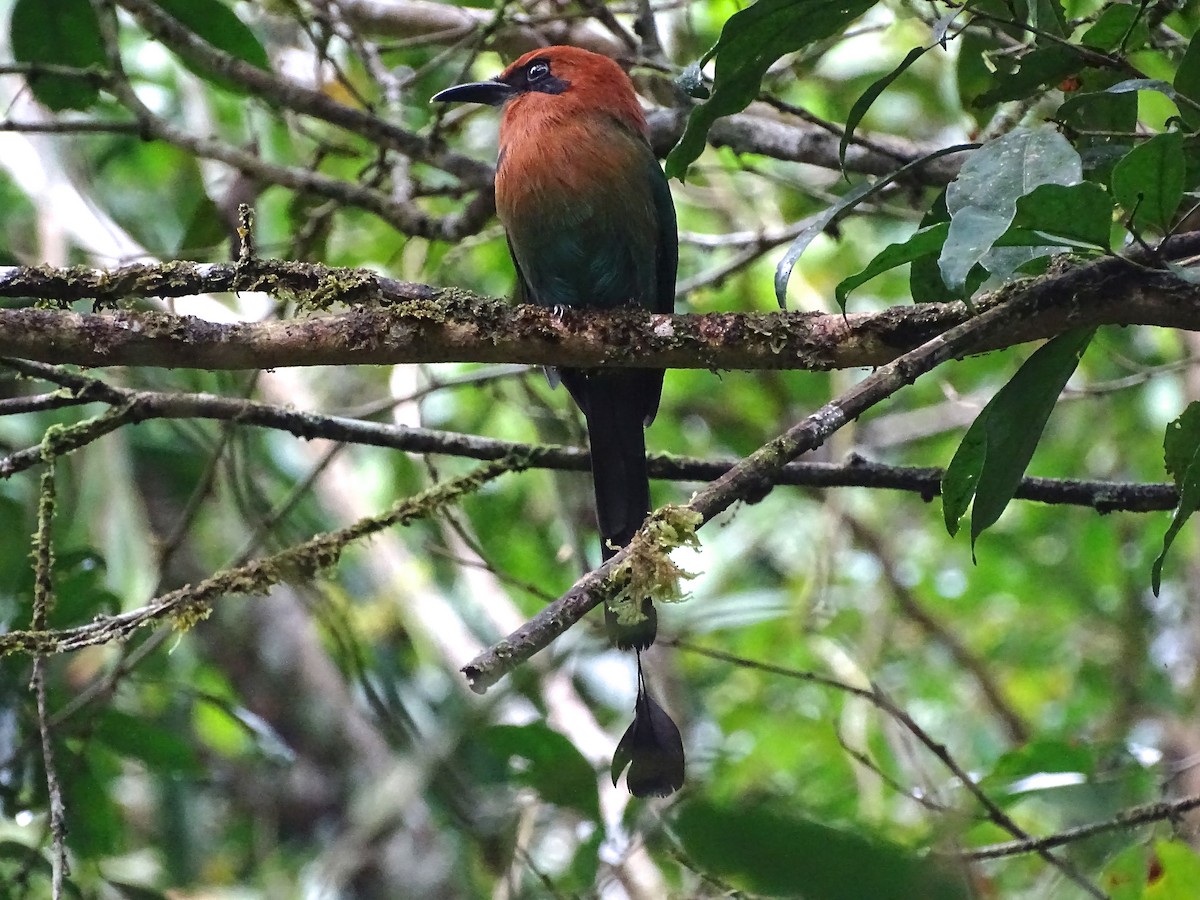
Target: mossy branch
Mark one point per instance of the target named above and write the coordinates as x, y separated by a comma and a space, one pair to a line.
393, 322
299, 563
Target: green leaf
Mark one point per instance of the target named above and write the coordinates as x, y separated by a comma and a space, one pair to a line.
1047, 15
924, 243
1081, 213
750, 42
1044, 66
1180, 872
982, 200
1149, 181
863, 103
585, 865
961, 477
30, 868
1180, 441
138, 175
1187, 82
63, 33
925, 284
974, 75
1124, 877
1020, 245
821, 221
764, 849
30, 859
217, 24
996, 450
204, 231
94, 823
816, 225
554, 767
1189, 501
1133, 85
79, 587
161, 749
1104, 122
1121, 26
1181, 455
1038, 757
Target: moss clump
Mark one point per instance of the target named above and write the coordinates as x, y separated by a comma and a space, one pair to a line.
648, 570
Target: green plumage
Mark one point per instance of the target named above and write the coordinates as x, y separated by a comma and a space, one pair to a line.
600, 238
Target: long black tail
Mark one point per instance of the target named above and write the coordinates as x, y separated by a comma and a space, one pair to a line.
617, 406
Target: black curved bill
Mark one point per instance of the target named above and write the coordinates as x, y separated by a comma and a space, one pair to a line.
493, 93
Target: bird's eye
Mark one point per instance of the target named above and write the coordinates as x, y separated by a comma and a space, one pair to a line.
537, 71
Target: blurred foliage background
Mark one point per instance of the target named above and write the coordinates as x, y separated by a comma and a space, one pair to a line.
320, 742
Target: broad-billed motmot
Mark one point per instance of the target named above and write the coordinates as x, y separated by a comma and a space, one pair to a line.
590, 225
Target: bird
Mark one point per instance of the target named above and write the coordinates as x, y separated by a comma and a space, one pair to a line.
591, 225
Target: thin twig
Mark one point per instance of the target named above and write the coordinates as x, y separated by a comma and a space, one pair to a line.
13, 406
295, 96
1103, 496
405, 217
43, 599
881, 701
864, 760
994, 812
70, 126
1014, 725
1131, 817
67, 439
58, 829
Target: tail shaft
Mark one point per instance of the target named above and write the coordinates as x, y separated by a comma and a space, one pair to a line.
617, 407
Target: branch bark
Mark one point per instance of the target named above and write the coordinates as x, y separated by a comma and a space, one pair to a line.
290, 94
437, 23
753, 477
1125, 819
139, 406
396, 322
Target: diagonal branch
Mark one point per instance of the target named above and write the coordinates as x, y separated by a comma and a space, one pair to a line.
301, 562
752, 477
405, 217
1125, 819
292, 95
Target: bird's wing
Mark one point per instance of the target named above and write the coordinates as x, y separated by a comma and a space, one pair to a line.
668, 239
521, 292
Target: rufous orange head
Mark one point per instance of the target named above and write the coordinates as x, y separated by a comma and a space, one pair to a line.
556, 83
